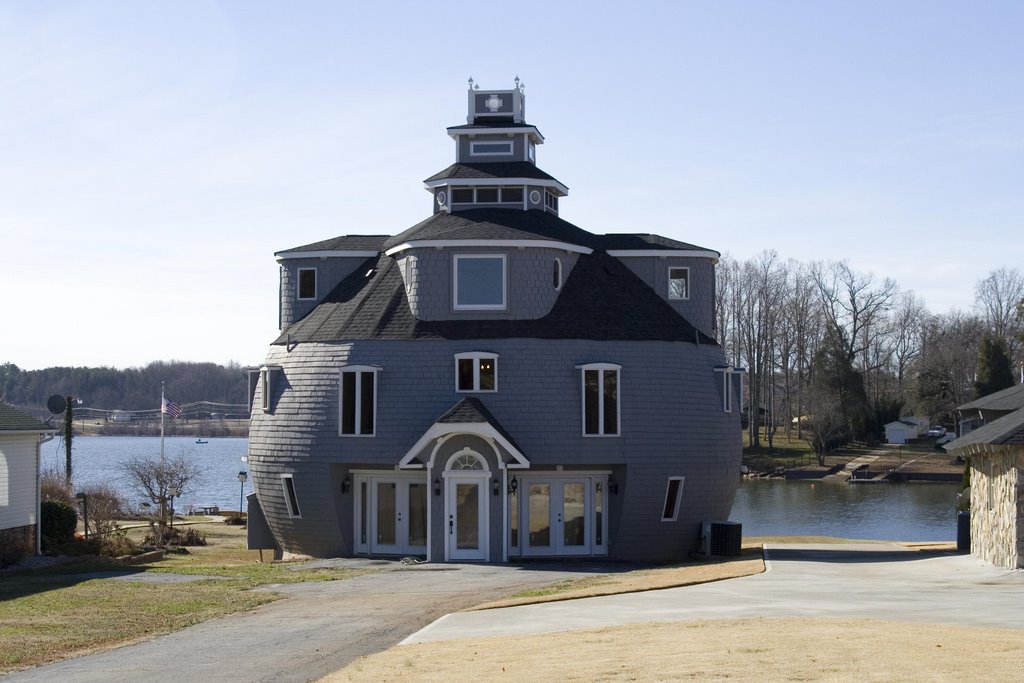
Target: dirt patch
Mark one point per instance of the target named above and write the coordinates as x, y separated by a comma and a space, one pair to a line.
794, 649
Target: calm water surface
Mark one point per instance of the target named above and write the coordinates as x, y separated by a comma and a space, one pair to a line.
97, 459
893, 512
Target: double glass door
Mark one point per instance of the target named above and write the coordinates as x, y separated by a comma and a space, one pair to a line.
560, 516
392, 517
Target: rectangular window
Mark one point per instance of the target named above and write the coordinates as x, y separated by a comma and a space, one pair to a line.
265, 389
290, 499
678, 283
486, 195
673, 496
307, 283
600, 399
489, 148
476, 371
358, 401
479, 282
727, 391
532, 152
511, 195
551, 200
462, 196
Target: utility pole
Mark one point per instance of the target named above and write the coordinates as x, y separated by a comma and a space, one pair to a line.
68, 434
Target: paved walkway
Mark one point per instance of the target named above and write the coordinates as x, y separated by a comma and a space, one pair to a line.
318, 629
876, 581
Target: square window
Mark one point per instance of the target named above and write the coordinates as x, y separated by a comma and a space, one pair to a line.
479, 282
486, 195
476, 371
678, 283
307, 283
462, 196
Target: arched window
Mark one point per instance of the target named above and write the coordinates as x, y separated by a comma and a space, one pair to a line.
465, 460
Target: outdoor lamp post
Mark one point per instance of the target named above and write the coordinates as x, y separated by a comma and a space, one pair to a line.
242, 476
85, 512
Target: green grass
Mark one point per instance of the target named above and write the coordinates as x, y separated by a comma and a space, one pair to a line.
792, 452
51, 614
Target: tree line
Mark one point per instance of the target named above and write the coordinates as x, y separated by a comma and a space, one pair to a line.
128, 389
834, 354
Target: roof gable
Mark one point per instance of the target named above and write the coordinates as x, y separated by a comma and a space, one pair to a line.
1011, 398
13, 420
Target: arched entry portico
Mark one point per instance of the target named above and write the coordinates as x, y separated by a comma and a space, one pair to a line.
467, 522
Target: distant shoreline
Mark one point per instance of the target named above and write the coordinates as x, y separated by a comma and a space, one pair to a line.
196, 428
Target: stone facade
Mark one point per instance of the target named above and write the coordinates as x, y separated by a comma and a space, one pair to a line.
997, 505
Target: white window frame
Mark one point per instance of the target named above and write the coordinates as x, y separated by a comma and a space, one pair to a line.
265, 389
479, 307
668, 284
474, 143
291, 497
727, 387
601, 368
358, 370
497, 194
558, 271
678, 501
298, 284
476, 357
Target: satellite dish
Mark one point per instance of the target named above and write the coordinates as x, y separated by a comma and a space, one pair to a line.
56, 404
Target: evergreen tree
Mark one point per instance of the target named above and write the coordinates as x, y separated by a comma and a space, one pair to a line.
840, 410
994, 371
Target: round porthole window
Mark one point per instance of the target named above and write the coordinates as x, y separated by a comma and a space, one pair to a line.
442, 198
535, 197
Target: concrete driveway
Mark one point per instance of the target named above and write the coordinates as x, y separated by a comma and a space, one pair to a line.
841, 580
320, 627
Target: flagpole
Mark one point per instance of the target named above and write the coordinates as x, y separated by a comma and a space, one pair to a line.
162, 399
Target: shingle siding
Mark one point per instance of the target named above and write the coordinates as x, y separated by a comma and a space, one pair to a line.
329, 272
699, 308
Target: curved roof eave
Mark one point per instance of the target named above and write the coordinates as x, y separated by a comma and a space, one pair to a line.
519, 244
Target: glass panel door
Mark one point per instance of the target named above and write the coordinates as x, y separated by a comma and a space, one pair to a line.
417, 516
574, 499
538, 516
385, 511
395, 515
467, 516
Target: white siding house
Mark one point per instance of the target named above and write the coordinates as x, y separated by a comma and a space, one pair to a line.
20, 438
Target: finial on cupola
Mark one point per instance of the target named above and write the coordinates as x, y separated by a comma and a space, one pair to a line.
470, 82
517, 81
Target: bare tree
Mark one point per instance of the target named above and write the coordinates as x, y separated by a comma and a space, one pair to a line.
853, 305
159, 481
908, 318
996, 297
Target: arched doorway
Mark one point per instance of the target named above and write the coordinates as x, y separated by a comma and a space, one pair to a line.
466, 475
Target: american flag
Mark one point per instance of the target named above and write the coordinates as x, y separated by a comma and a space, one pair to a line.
171, 408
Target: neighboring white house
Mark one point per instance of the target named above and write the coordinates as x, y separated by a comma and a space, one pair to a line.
900, 431
922, 423
20, 439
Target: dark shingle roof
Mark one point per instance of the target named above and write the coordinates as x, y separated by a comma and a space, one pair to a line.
13, 420
497, 169
1007, 430
472, 411
644, 241
1007, 399
496, 224
496, 123
601, 300
343, 243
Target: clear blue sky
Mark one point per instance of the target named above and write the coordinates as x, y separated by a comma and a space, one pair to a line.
154, 156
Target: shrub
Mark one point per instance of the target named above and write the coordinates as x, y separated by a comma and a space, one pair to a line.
57, 521
175, 536
117, 543
235, 520
105, 507
53, 486
10, 554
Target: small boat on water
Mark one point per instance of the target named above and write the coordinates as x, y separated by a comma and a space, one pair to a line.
202, 441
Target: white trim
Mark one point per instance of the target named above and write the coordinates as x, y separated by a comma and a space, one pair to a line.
298, 284
601, 368
511, 148
479, 307
557, 480
476, 356
442, 431
281, 256
668, 294
296, 512
473, 182
529, 131
517, 244
727, 372
678, 501
665, 253
358, 371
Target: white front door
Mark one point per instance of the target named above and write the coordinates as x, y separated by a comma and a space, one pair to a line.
466, 516
392, 515
562, 515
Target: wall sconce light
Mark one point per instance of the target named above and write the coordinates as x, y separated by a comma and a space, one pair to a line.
598, 487
346, 483
513, 484
437, 486
613, 486
496, 486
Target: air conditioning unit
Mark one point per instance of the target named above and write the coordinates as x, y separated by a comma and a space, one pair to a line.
723, 538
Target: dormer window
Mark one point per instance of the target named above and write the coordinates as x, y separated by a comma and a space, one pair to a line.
477, 149
479, 282
476, 371
307, 283
678, 283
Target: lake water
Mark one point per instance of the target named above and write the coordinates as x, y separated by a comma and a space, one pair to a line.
894, 512
97, 459
766, 507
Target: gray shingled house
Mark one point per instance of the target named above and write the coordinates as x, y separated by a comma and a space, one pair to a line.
495, 382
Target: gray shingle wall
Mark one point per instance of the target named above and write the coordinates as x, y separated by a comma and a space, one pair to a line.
531, 294
672, 423
699, 309
329, 272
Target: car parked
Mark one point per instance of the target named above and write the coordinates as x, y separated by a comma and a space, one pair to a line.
937, 430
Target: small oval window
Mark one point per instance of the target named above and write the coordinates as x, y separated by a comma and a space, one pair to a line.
556, 275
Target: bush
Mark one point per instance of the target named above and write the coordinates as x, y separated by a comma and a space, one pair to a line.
58, 522
53, 486
117, 543
10, 554
235, 520
105, 507
175, 536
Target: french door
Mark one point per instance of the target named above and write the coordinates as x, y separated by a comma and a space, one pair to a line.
466, 517
391, 514
560, 516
